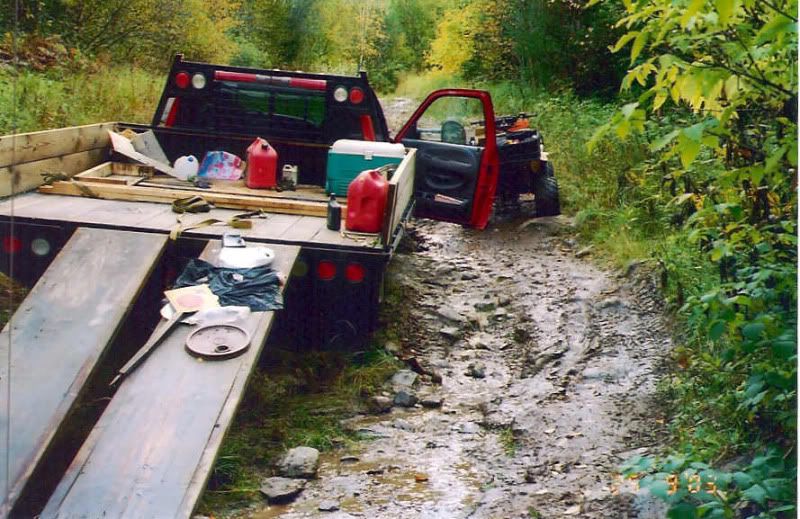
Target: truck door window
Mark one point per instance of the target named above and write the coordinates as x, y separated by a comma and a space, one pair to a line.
454, 120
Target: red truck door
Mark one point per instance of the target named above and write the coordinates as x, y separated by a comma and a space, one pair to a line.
457, 164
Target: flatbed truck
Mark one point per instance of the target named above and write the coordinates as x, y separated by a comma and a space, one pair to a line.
99, 247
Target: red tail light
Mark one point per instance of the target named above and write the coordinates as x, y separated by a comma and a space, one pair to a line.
182, 80
356, 95
326, 270
11, 244
355, 273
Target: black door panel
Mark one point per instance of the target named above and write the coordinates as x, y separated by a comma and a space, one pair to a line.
446, 176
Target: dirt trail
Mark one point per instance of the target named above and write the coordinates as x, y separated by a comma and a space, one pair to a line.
547, 365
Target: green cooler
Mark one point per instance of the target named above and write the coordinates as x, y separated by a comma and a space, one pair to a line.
347, 158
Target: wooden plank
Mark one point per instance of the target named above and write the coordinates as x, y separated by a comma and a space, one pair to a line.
238, 187
158, 194
304, 229
27, 176
152, 451
30, 147
401, 190
102, 170
58, 335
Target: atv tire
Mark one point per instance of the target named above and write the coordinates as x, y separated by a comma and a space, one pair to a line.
545, 192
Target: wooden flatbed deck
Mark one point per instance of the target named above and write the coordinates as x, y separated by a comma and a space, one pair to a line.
154, 217
152, 451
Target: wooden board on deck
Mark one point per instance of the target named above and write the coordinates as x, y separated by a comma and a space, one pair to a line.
152, 451
168, 195
59, 333
238, 187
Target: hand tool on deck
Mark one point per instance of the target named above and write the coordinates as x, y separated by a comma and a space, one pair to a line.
185, 301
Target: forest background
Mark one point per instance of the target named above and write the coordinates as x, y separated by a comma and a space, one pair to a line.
672, 125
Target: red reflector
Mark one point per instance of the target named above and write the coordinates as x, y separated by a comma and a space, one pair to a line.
326, 270
11, 244
182, 80
173, 112
356, 95
354, 273
367, 130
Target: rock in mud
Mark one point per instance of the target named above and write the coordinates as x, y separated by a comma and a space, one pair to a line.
476, 370
447, 314
469, 428
405, 399
403, 379
379, 404
451, 332
329, 505
403, 425
584, 251
432, 401
300, 462
282, 490
468, 276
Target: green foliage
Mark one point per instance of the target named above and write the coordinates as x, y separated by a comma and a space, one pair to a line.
62, 98
717, 84
694, 489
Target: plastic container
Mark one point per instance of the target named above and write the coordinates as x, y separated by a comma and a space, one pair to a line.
366, 202
334, 214
186, 167
347, 158
262, 165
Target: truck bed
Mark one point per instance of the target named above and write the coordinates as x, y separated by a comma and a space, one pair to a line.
155, 217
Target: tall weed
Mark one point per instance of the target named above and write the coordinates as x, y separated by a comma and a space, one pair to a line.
31, 101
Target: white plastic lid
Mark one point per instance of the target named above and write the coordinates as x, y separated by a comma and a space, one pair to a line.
377, 149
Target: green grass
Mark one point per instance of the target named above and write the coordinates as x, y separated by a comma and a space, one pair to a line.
59, 98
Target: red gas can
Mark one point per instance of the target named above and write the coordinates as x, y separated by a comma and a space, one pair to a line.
262, 165
366, 202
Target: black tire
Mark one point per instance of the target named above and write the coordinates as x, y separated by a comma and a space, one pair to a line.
545, 192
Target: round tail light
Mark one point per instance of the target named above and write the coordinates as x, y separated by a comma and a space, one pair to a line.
340, 94
356, 96
182, 80
11, 244
354, 273
326, 270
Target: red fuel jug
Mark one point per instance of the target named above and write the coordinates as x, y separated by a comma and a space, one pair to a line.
262, 165
366, 202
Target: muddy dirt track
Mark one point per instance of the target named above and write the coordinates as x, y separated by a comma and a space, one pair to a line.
539, 371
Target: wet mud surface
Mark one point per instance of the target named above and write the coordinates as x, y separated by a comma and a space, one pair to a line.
538, 374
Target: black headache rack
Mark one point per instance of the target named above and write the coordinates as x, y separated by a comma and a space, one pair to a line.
300, 114
276, 104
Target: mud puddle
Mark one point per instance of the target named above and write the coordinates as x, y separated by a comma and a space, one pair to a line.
539, 375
